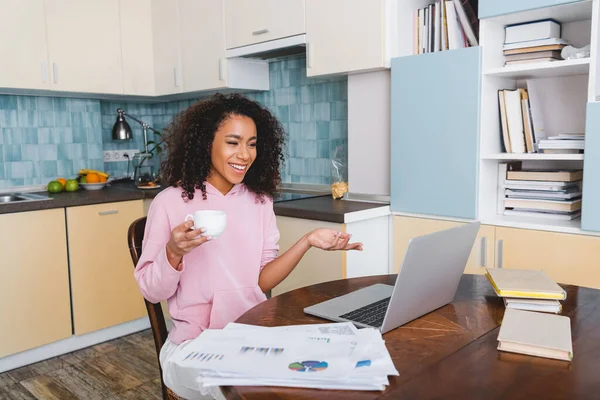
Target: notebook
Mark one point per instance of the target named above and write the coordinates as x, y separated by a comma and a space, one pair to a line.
551, 306
536, 334
522, 283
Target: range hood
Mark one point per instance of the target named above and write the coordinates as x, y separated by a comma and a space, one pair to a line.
271, 49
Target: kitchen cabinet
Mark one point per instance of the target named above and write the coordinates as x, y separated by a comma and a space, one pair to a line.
590, 213
250, 22
317, 265
344, 36
435, 133
493, 8
137, 47
104, 291
23, 46
406, 228
84, 44
202, 34
566, 258
34, 280
165, 34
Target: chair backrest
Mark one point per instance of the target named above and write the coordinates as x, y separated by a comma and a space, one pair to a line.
135, 235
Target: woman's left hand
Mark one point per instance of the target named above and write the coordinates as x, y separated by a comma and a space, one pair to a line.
330, 239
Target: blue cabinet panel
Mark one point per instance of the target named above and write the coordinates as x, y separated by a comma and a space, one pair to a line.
590, 212
493, 8
434, 129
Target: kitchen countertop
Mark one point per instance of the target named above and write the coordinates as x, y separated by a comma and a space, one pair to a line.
298, 205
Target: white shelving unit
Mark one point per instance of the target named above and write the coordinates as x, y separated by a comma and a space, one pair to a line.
574, 84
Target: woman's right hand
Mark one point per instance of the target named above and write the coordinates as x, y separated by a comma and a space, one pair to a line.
183, 240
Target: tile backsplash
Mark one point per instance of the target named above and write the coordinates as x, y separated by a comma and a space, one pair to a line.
43, 138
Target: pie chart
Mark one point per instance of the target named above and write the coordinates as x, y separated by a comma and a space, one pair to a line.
308, 366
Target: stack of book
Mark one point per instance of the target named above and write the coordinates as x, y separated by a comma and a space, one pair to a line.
533, 41
527, 290
548, 194
563, 144
528, 326
445, 25
516, 121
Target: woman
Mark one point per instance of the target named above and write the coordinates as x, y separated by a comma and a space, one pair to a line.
223, 154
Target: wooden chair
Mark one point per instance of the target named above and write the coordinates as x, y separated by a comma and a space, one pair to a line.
135, 235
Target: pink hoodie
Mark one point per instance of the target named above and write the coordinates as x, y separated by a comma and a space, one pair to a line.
219, 279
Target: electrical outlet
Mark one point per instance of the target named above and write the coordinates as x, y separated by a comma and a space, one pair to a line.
119, 155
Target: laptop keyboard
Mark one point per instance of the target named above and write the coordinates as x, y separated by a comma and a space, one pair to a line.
372, 314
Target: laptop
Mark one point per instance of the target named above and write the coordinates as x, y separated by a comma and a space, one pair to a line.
428, 279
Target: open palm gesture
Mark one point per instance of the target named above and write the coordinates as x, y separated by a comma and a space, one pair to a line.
330, 239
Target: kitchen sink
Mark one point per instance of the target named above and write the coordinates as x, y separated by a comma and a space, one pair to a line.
22, 197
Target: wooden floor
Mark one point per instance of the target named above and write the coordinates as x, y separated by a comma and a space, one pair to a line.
125, 368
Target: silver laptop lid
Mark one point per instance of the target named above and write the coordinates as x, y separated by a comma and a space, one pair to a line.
430, 273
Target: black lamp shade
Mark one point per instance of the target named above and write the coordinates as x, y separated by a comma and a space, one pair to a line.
121, 129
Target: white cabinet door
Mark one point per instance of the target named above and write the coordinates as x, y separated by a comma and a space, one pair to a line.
136, 47
84, 42
23, 49
255, 21
202, 44
344, 36
165, 32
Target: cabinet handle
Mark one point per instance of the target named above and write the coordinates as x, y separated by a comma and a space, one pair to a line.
55, 72
108, 212
483, 251
260, 32
500, 252
44, 72
176, 77
221, 69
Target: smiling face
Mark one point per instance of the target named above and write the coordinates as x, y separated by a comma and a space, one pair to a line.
233, 152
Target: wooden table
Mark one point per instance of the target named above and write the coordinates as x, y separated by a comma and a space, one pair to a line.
451, 353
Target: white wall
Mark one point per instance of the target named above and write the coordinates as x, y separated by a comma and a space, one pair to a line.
369, 133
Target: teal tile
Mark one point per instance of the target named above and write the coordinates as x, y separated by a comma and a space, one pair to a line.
295, 77
338, 129
296, 166
25, 135
309, 148
77, 105
295, 112
77, 120
94, 135
95, 151
46, 118
59, 104
294, 95
322, 93
44, 103
8, 118
65, 168
8, 102
49, 168
11, 152
323, 130
323, 148
65, 134
322, 112
48, 152
339, 110
2, 174
26, 103
79, 135
307, 113
27, 118
92, 106
15, 182
62, 118
92, 120
295, 130
307, 94
29, 152
283, 113
19, 170
108, 121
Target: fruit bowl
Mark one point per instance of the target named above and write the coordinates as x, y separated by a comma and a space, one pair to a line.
93, 186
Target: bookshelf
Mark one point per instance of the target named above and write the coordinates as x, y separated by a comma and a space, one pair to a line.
567, 87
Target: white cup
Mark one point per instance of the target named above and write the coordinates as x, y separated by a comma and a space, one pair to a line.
212, 220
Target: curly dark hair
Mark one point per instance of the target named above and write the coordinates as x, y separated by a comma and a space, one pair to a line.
189, 140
